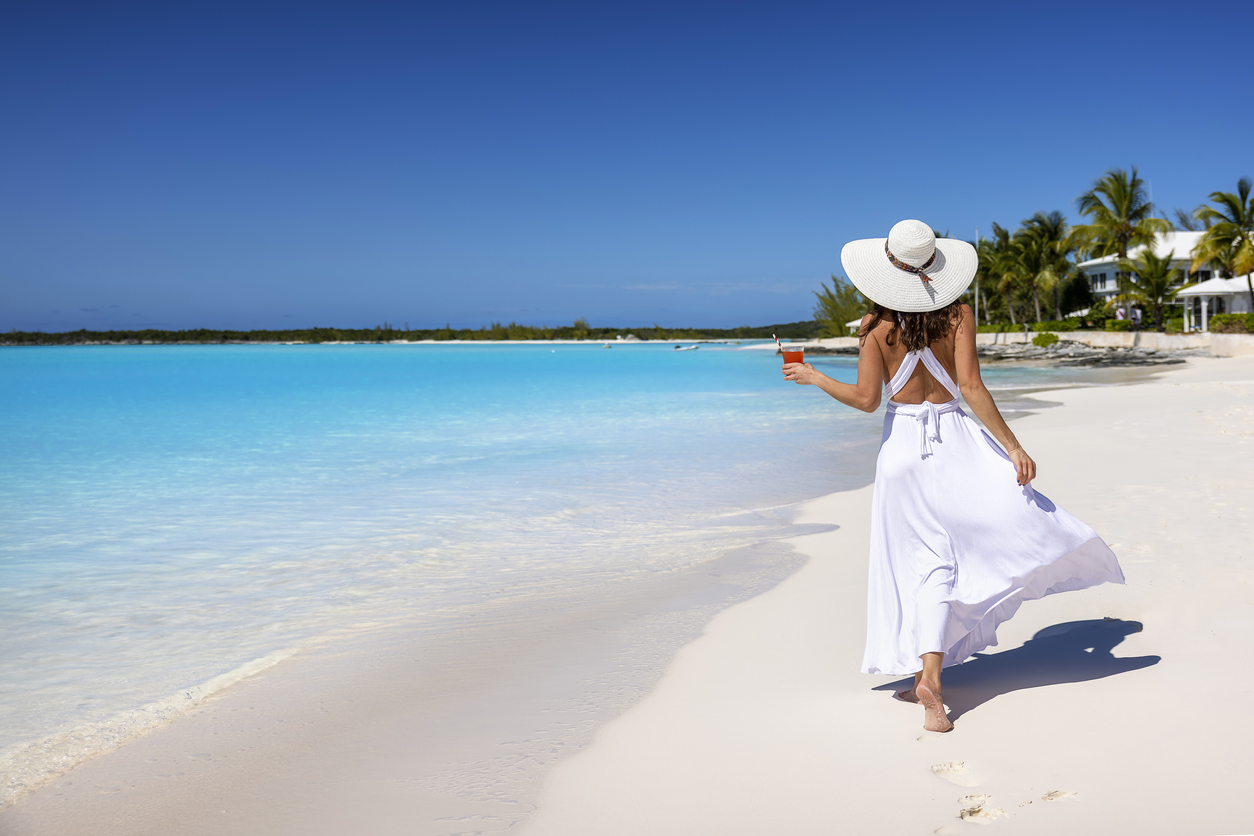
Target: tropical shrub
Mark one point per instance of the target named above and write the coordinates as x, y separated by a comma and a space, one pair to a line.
1118, 325
1175, 324
1231, 323
1044, 340
1099, 316
837, 305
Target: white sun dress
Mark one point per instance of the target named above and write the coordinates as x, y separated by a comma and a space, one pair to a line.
956, 544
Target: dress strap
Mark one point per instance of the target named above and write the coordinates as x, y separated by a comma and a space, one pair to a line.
906, 369
938, 371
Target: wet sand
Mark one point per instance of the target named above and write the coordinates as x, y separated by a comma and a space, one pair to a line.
422, 731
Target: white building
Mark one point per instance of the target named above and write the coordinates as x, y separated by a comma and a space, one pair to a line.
1204, 300
1201, 301
1104, 272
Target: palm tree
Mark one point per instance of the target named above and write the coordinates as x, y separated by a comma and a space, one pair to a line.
1121, 215
1152, 288
1189, 221
1000, 255
1031, 267
1050, 235
1229, 237
985, 271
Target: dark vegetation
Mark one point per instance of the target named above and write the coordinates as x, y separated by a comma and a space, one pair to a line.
580, 330
1232, 323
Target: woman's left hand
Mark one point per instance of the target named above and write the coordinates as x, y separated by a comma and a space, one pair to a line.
802, 373
1025, 468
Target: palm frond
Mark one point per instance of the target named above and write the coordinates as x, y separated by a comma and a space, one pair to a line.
1229, 237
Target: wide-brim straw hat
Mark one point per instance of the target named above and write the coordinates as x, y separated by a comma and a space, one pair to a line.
911, 270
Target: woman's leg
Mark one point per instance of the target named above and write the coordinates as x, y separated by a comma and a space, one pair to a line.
927, 691
909, 695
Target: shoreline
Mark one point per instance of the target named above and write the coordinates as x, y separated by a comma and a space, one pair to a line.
30, 764
486, 704
125, 787
597, 343
990, 344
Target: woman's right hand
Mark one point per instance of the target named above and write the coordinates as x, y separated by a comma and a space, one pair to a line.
802, 373
1025, 468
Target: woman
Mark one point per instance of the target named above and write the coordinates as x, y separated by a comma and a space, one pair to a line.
959, 539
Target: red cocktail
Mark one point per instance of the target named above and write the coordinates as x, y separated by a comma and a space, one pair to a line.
794, 355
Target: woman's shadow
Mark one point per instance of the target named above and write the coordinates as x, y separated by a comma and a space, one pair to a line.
1074, 651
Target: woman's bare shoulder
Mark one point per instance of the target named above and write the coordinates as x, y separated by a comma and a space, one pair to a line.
964, 323
878, 330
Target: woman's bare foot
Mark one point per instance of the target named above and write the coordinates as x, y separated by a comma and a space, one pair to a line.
934, 718
906, 696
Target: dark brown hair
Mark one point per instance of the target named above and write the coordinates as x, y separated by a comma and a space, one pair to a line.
918, 330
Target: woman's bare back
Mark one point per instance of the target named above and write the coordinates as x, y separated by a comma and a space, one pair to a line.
878, 361
921, 386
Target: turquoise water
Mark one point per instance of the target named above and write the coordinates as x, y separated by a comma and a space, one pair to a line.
171, 513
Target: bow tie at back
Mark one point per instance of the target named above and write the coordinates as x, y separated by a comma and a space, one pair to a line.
929, 427
928, 415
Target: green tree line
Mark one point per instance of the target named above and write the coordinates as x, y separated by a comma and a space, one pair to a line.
579, 330
1031, 274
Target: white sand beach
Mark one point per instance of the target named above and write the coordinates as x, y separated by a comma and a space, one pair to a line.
1115, 709
1111, 710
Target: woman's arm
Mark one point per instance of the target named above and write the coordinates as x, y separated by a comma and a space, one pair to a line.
863, 395
981, 402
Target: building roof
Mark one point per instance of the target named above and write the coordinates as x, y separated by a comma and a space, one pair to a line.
1179, 243
1216, 287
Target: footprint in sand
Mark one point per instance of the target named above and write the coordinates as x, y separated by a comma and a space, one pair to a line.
975, 809
955, 772
982, 814
1057, 795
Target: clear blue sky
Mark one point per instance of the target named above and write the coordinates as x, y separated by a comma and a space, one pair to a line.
269, 165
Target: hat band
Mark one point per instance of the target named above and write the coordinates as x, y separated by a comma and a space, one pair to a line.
901, 265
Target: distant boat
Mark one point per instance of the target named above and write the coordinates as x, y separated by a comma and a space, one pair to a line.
607, 345
687, 347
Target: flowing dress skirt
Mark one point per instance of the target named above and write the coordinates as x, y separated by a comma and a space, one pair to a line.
957, 545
